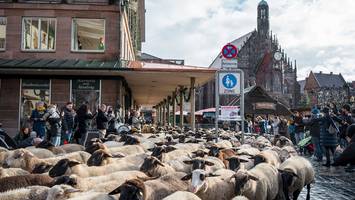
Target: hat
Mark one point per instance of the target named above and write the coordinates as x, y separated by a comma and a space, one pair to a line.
315, 111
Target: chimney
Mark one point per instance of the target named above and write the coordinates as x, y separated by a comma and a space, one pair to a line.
320, 72
331, 73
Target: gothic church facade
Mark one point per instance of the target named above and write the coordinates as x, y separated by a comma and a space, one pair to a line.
264, 63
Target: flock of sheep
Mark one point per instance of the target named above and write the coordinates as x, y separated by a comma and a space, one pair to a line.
166, 163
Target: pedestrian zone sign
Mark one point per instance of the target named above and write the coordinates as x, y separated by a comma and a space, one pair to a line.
229, 83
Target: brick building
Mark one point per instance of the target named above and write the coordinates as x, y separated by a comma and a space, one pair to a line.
322, 89
58, 51
258, 58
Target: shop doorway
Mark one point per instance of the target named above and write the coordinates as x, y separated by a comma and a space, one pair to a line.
86, 91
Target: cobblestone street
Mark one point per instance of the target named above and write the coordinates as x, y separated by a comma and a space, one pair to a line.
331, 184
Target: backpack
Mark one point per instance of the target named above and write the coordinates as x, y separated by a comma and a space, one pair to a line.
333, 128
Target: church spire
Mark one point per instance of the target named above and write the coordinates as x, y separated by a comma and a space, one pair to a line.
263, 19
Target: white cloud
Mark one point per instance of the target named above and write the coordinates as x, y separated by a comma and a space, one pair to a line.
318, 33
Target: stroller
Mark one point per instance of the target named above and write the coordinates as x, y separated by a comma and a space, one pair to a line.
6, 141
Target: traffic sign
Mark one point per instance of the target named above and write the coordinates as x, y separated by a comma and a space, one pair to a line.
229, 83
229, 51
229, 63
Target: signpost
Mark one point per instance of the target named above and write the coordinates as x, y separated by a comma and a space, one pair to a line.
229, 81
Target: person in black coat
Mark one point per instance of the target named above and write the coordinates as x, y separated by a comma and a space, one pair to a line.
347, 156
345, 120
102, 120
68, 115
314, 129
83, 123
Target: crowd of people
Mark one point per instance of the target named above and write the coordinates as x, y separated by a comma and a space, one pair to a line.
69, 125
325, 132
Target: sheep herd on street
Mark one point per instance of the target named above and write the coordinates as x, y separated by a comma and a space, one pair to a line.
158, 163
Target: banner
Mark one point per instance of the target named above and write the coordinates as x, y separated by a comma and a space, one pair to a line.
230, 113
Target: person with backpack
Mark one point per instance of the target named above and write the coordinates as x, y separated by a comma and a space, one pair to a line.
54, 120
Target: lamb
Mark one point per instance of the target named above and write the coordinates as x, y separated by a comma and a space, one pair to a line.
12, 172
296, 172
259, 183
268, 156
152, 166
207, 187
182, 195
152, 189
68, 167
39, 193
24, 159
14, 182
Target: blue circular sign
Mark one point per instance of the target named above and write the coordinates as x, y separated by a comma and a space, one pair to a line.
229, 81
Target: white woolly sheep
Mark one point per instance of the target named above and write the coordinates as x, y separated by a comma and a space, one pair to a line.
152, 166
296, 172
267, 156
6, 172
182, 195
259, 183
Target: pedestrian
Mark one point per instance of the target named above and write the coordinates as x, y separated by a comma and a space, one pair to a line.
275, 125
54, 120
39, 124
328, 137
291, 129
68, 115
314, 130
31, 140
136, 120
22, 135
102, 121
83, 123
345, 121
299, 127
347, 156
283, 128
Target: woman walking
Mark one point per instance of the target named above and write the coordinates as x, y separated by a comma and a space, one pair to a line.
53, 118
39, 124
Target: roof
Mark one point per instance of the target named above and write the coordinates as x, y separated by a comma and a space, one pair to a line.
330, 80
59, 64
302, 84
145, 56
263, 3
237, 42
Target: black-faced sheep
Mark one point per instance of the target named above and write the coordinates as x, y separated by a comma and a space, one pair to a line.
152, 166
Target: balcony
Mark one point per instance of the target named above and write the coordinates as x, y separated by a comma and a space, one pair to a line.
86, 2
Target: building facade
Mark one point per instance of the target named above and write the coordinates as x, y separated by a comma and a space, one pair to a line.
261, 65
58, 51
322, 89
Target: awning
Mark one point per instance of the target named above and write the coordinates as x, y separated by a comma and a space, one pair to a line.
150, 83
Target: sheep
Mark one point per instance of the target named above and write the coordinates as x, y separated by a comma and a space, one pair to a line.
152, 189
221, 153
207, 187
24, 159
99, 158
152, 166
68, 167
58, 192
105, 183
239, 162
296, 172
283, 141
261, 142
182, 195
226, 144
240, 198
127, 150
70, 148
245, 150
92, 196
12, 172
210, 164
14, 182
259, 183
268, 156
94, 146
48, 145
40, 152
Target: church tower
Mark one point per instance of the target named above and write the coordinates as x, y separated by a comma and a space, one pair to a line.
263, 19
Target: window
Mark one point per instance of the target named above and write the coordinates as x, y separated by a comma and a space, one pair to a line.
32, 91
39, 34
86, 90
2, 32
88, 35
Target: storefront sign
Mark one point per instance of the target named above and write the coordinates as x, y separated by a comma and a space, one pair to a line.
265, 105
230, 113
35, 84
86, 84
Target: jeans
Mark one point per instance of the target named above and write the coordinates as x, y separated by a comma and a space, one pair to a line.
299, 136
317, 148
327, 151
67, 136
55, 140
83, 138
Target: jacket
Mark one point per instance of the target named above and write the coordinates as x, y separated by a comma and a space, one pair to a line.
347, 157
101, 120
68, 120
314, 127
83, 122
327, 139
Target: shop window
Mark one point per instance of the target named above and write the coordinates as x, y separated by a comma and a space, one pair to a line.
88, 35
39, 34
32, 91
86, 91
2, 32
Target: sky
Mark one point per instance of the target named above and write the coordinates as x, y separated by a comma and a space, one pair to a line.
319, 34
